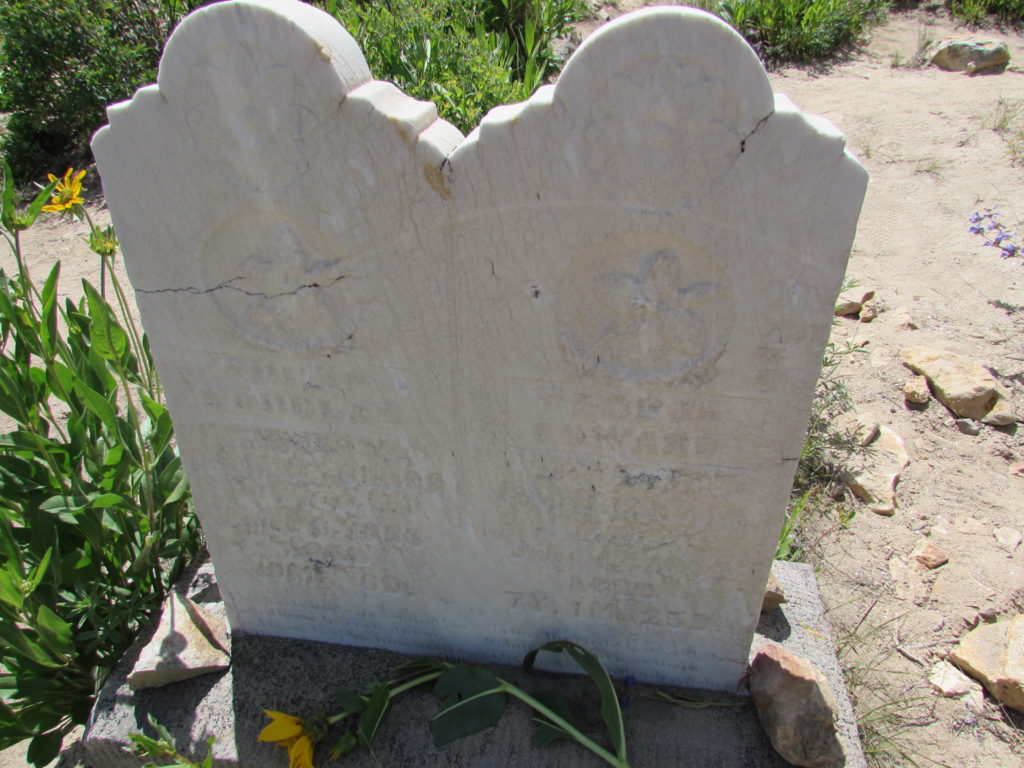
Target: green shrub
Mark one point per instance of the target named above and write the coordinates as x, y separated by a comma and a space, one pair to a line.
63, 61
974, 12
800, 30
467, 56
95, 511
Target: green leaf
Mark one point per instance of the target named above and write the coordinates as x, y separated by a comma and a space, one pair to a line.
419, 666
44, 748
62, 380
474, 699
48, 324
350, 701
376, 707
691, 702
146, 558
344, 745
546, 731
37, 204
17, 642
36, 576
98, 405
108, 338
7, 204
589, 663
10, 592
55, 632
106, 500
208, 760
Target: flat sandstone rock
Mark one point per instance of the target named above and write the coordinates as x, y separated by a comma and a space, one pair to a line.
187, 643
964, 386
464, 395
993, 654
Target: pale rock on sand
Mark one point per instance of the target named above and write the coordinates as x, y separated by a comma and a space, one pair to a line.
967, 53
993, 654
874, 470
796, 707
1008, 538
965, 387
915, 390
950, 681
901, 319
851, 300
929, 555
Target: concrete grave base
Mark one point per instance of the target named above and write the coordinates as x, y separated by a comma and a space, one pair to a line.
298, 677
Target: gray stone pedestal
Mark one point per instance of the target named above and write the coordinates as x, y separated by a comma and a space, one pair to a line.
299, 677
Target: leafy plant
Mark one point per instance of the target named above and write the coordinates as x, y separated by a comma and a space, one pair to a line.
467, 56
974, 12
824, 444
63, 61
472, 699
95, 517
163, 747
788, 548
800, 30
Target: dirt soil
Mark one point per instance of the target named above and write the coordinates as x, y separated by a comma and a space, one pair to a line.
927, 138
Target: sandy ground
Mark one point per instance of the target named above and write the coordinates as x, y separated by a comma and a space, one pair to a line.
927, 139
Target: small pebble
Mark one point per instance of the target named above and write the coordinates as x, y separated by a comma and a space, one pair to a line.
968, 426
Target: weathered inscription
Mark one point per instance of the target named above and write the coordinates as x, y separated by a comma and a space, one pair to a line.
465, 395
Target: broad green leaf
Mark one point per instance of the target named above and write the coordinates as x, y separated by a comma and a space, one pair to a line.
610, 711
17, 642
370, 719
105, 500
146, 558
474, 699
152, 407
98, 405
546, 731
419, 666
10, 591
344, 745
129, 439
62, 381
36, 576
37, 204
44, 748
108, 338
7, 201
55, 632
48, 324
350, 701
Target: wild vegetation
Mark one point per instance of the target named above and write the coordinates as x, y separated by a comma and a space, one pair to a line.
95, 516
95, 512
63, 61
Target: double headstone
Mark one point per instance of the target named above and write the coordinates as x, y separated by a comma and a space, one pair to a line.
464, 395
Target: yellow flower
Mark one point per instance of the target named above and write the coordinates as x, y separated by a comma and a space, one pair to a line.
287, 732
68, 192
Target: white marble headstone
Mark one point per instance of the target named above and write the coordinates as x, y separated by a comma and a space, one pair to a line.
467, 395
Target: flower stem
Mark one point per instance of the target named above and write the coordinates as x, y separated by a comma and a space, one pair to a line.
564, 725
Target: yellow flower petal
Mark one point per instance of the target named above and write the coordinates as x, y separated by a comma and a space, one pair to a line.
300, 753
281, 728
78, 177
51, 177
